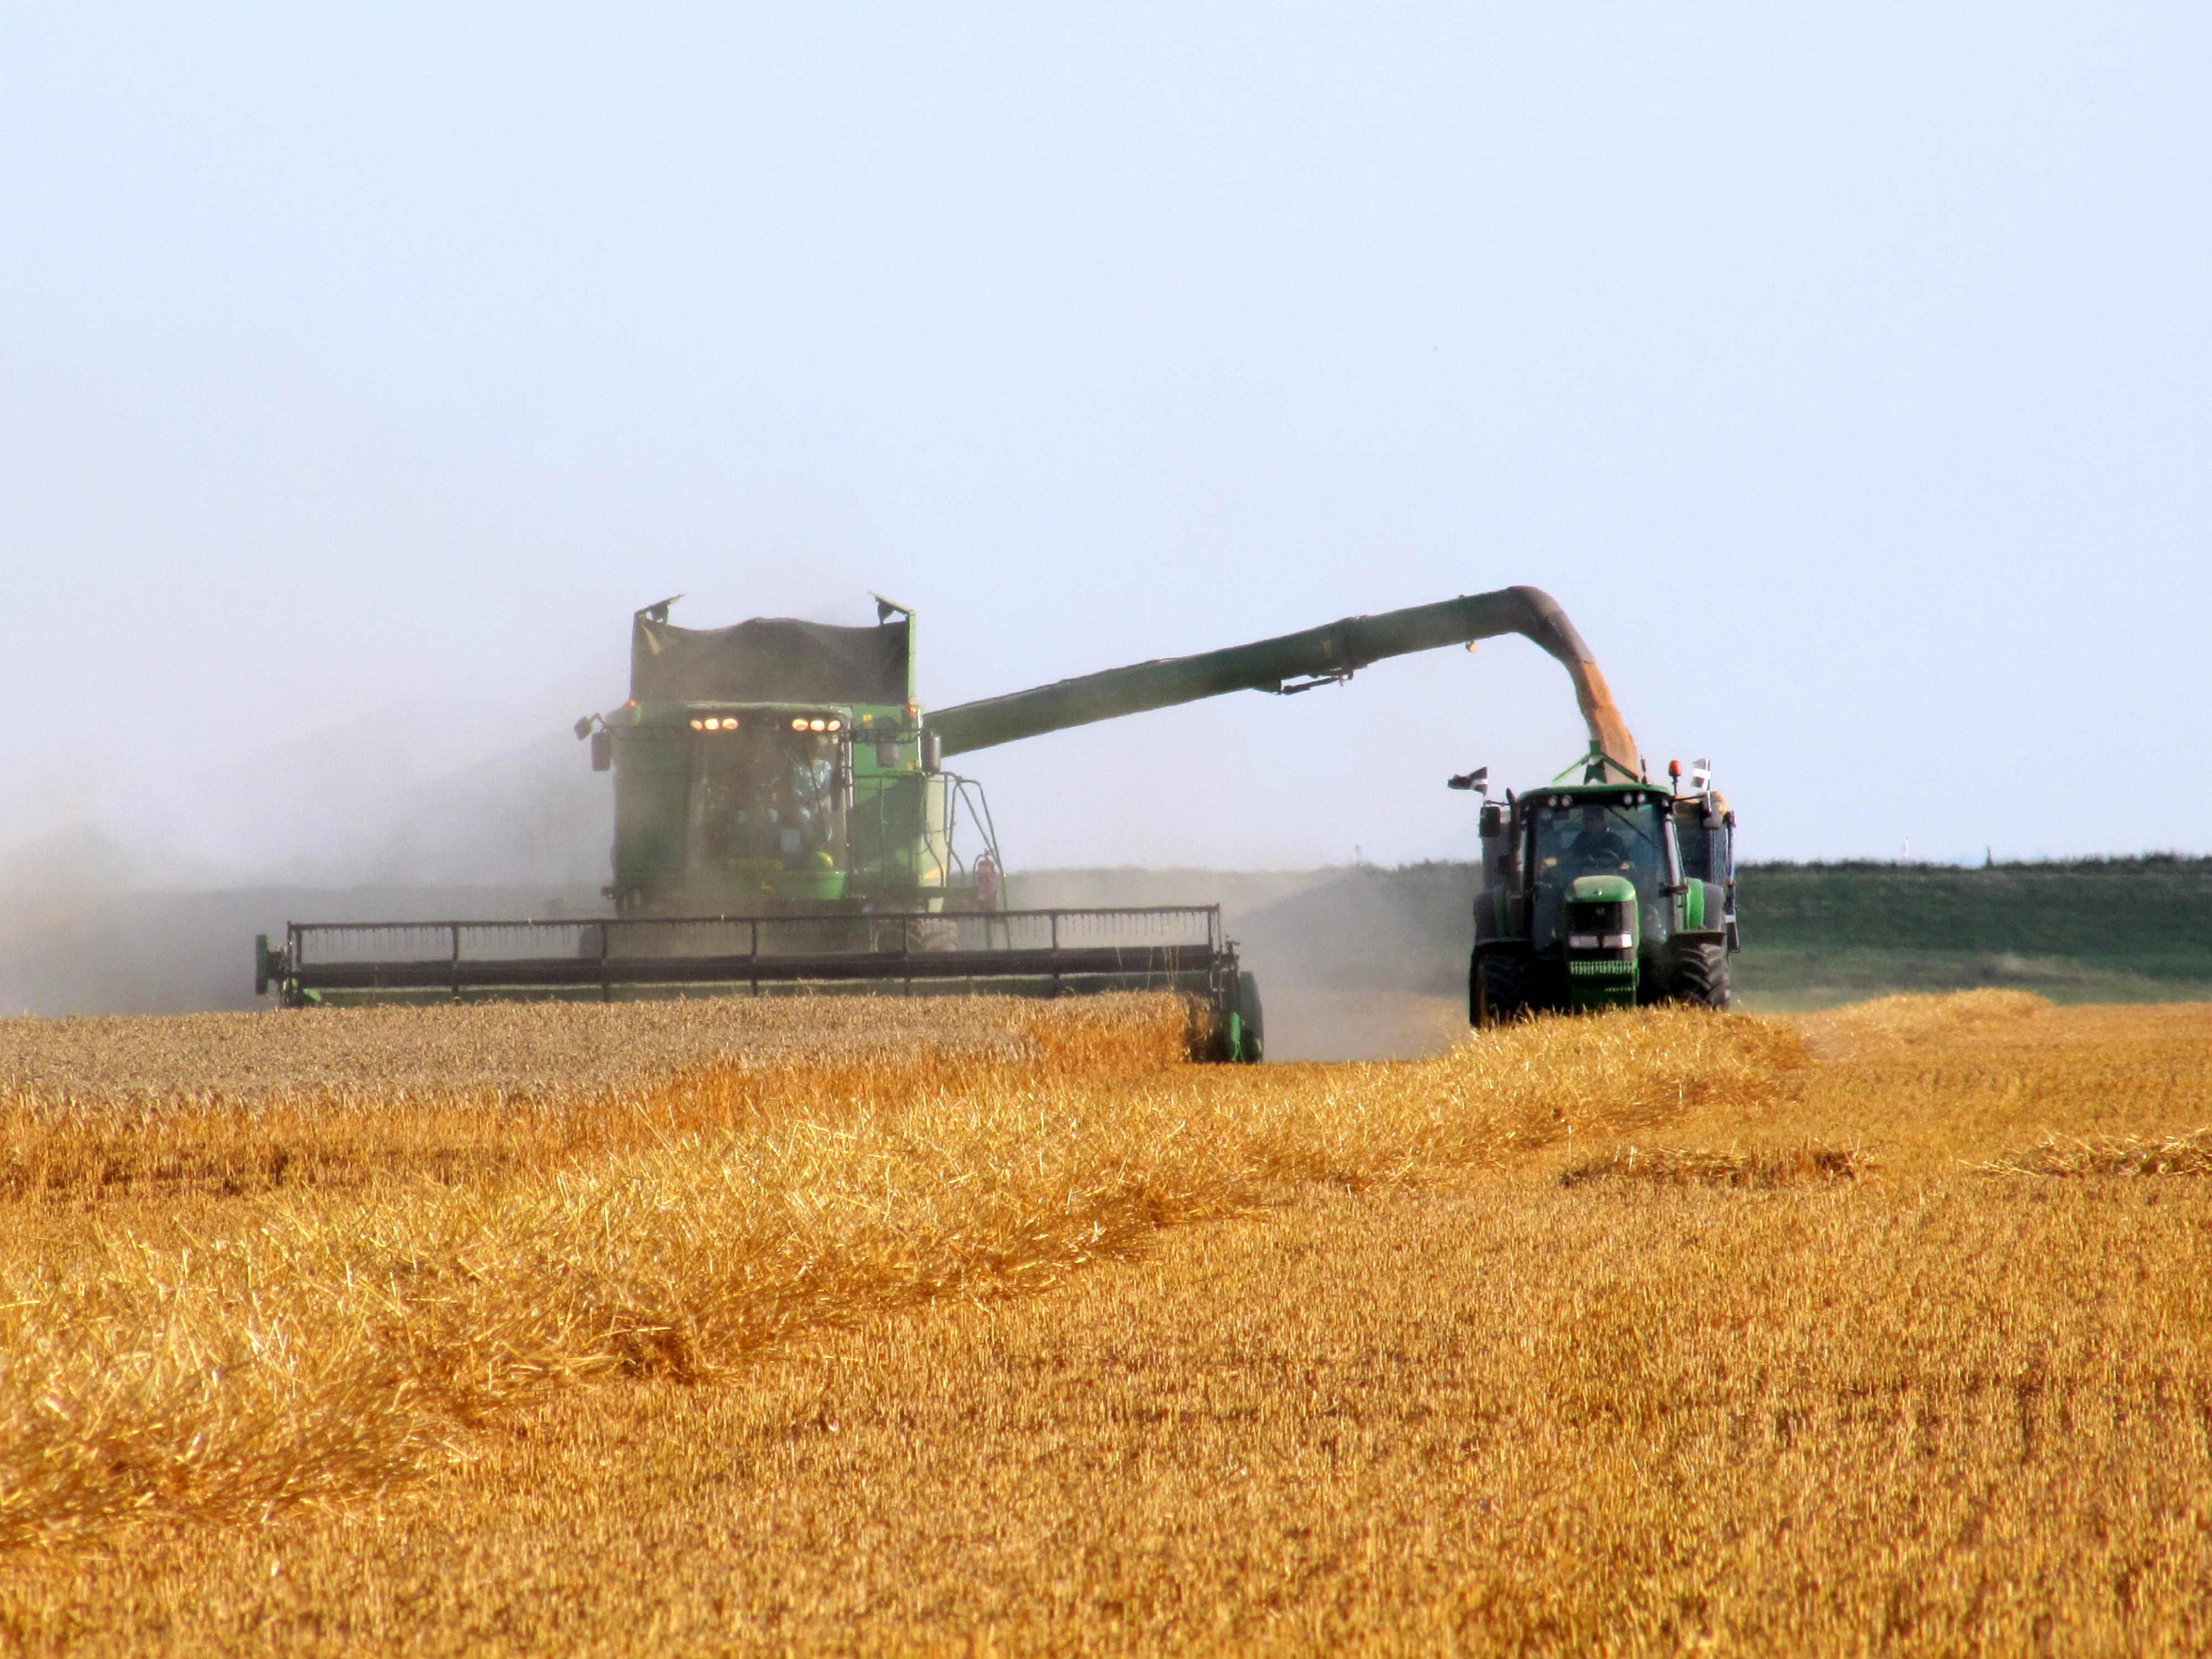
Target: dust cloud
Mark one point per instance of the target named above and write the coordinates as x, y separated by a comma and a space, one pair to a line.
1354, 963
94, 920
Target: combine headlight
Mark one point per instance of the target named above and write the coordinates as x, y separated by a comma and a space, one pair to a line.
799, 724
836, 726
817, 726
698, 726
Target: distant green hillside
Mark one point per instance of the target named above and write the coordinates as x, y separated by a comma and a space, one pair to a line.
2138, 929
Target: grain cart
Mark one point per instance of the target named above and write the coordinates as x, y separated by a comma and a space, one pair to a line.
784, 820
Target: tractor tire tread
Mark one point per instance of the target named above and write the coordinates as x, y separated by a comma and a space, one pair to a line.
1701, 976
1498, 988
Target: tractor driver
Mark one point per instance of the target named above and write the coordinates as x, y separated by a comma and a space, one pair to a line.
1596, 849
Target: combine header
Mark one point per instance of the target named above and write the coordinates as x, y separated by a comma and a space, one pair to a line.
784, 822
913, 953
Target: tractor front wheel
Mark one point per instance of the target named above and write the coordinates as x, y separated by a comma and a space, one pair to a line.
1701, 975
1498, 987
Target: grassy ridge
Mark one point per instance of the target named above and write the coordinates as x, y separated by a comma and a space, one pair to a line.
2144, 911
2136, 929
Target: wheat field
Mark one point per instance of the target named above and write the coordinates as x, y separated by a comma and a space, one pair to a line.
986, 1327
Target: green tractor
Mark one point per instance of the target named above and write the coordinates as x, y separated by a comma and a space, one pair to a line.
1609, 893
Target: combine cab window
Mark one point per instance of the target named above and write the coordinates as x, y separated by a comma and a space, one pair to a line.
1597, 839
767, 799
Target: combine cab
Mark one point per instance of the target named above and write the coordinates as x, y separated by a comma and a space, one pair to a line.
779, 768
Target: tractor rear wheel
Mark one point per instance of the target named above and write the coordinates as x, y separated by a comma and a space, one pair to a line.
1498, 987
1701, 975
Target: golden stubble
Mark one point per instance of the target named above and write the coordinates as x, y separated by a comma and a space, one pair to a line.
1634, 1334
219, 1308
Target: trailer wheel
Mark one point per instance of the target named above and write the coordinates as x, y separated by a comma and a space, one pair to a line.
1498, 987
1701, 975
1252, 1042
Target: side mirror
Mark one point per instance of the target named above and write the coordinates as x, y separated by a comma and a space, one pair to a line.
1493, 821
603, 751
932, 751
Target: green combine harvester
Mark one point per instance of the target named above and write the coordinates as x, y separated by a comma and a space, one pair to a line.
785, 822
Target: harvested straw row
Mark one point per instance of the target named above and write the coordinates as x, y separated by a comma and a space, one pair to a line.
383, 1127
296, 1346
504, 1052
2109, 1155
1761, 1168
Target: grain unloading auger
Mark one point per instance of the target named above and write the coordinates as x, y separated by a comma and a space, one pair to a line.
784, 821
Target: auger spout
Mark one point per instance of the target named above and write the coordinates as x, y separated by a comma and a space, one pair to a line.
1296, 662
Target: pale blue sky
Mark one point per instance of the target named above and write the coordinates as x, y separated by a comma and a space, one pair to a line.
1842, 371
